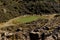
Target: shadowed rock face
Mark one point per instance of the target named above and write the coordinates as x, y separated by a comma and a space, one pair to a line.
55, 35
34, 36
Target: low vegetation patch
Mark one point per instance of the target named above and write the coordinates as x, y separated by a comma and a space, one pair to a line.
25, 19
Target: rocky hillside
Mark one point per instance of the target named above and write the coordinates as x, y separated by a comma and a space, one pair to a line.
41, 29
12, 8
30, 19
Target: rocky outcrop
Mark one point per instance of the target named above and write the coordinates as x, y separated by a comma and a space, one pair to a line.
53, 35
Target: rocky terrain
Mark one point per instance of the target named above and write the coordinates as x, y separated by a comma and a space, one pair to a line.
41, 29
29, 19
